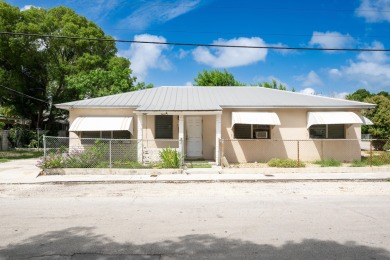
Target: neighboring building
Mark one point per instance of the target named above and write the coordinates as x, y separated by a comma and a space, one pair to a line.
250, 119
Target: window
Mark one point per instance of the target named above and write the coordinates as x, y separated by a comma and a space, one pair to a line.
327, 132
106, 134
164, 127
247, 131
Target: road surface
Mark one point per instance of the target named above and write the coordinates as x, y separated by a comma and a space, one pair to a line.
295, 220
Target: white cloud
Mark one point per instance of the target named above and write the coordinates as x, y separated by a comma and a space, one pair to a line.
281, 51
374, 56
340, 95
334, 73
231, 57
331, 40
147, 56
370, 69
182, 54
28, 7
308, 91
373, 10
309, 80
188, 83
158, 12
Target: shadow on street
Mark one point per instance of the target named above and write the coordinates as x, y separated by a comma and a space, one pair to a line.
83, 243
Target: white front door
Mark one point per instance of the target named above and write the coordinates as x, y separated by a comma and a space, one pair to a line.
194, 136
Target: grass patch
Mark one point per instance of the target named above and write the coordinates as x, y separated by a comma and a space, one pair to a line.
328, 163
285, 163
20, 154
4, 160
197, 164
378, 159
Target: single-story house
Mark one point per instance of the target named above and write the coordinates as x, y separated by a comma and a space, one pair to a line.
255, 123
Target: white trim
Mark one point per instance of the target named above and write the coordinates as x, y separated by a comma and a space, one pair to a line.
178, 113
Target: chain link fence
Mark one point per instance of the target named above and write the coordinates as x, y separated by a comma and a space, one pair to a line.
65, 152
344, 150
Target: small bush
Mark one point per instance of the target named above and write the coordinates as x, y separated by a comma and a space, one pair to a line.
379, 144
386, 147
285, 163
53, 160
328, 163
170, 158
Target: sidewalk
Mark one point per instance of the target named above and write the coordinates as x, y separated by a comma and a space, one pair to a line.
25, 172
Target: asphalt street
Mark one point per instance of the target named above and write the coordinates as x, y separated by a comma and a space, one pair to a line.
295, 220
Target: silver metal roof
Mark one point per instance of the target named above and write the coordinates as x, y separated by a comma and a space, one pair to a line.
183, 98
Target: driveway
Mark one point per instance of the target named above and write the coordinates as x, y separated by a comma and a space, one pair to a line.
19, 171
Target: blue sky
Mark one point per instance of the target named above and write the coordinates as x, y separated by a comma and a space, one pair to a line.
304, 23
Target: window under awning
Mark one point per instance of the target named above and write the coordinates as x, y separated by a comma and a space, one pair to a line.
255, 118
334, 118
86, 124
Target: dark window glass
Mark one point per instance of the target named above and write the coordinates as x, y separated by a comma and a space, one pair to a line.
121, 135
242, 131
336, 132
164, 127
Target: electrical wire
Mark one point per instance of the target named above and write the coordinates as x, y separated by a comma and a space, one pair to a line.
22, 94
195, 44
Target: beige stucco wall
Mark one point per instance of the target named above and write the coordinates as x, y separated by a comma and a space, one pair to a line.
283, 142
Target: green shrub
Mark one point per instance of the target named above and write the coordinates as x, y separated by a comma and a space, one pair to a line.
386, 147
379, 144
170, 158
328, 163
285, 163
53, 160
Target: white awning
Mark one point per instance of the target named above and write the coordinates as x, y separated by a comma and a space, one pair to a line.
366, 121
255, 118
88, 124
335, 118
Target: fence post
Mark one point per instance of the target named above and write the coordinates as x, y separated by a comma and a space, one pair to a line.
371, 153
298, 153
44, 145
110, 153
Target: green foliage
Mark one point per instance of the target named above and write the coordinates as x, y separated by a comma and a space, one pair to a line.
2, 125
56, 70
377, 160
328, 163
359, 95
273, 85
380, 116
21, 137
386, 147
170, 158
216, 78
285, 163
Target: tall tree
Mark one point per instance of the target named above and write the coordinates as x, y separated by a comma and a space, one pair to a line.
56, 69
216, 78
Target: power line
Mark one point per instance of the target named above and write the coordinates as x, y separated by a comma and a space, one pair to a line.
246, 33
193, 44
20, 93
